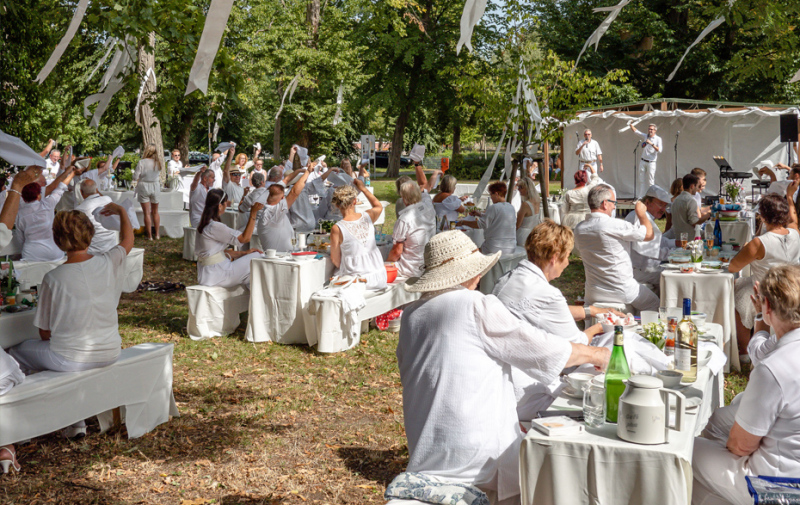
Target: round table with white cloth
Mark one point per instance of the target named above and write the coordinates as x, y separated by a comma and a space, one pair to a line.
168, 200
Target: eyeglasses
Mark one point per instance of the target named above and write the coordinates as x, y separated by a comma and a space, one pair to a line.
612, 201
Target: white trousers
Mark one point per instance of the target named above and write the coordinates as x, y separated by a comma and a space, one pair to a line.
719, 475
646, 177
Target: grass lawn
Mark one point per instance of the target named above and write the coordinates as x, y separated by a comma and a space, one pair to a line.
260, 424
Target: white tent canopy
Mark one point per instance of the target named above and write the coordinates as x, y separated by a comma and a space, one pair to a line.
744, 136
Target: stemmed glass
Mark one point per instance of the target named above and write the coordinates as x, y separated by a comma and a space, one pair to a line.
294, 242
684, 240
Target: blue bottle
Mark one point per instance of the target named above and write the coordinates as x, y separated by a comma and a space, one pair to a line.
717, 233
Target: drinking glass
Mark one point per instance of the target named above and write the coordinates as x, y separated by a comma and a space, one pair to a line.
594, 401
709, 237
662, 314
684, 240
294, 241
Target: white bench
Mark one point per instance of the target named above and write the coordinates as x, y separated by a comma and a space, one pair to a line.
214, 311
189, 237
332, 330
139, 384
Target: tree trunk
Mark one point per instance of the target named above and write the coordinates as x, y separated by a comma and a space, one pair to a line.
313, 14
151, 126
456, 139
182, 140
393, 171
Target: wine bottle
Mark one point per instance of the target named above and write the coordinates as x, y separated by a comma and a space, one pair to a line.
686, 344
616, 373
717, 233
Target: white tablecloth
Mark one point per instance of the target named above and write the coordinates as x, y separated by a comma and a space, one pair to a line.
597, 467
172, 221
214, 310
168, 200
140, 382
506, 263
233, 219
16, 328
280, 290
710, 293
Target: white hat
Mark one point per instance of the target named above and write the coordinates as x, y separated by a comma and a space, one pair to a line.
417, 153
451, 258
659, 193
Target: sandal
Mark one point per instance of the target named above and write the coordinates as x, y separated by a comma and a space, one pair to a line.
8, 459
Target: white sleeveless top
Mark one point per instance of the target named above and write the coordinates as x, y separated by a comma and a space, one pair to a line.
360, 254
779, 249
528, 224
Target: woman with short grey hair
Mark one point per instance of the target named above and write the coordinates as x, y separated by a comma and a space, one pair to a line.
447, 204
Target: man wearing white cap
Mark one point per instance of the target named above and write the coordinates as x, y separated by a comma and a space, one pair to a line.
589, 153
646, 257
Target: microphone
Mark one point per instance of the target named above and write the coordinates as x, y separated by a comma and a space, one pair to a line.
678, 134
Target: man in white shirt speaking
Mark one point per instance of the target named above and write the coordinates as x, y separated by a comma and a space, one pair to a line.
646, 257
651, 146
589, 153
604, 243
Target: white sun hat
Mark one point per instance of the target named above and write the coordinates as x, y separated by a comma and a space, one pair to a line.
451, 258
417, 153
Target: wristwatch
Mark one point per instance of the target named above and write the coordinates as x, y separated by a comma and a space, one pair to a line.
759, 317
587, 311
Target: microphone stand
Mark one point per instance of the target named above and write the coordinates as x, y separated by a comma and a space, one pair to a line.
635, 168
676, 153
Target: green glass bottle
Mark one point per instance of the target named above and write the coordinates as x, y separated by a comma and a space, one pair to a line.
616, 373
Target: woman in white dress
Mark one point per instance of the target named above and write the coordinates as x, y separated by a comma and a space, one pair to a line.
455, 353
414, 228
778, 245
217, 265
498, 222
446, 204
577, 200
528, 215
148, 189
34, 222
77, 312
759, 433
353, 248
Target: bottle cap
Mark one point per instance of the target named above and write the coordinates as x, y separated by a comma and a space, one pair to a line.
617, 329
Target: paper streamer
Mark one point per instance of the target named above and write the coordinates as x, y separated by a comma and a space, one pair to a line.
150, 72
473, 12
796, 77
207, 49
289, 91
18, 153
65, 40
711, 26
337, 118
124, 63
110, 43
601, 30
216, 126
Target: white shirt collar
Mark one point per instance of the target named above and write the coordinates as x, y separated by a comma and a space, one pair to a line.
789, 337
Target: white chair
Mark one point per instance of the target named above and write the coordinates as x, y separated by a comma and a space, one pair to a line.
189, 236
214, 311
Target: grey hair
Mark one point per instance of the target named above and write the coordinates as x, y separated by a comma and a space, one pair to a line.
55, 151
410, 193
448, 184
653, 125
598, 195
400, 181
88, 187
257, 179
207, 174
275, 174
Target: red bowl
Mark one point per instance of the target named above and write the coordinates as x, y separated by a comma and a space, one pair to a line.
391, 273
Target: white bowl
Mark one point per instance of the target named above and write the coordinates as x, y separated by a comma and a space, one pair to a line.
699, 319
578, 379
670, 378
703, 357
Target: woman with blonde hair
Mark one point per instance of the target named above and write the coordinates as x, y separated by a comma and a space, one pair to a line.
148, 188
353, 248
528, 215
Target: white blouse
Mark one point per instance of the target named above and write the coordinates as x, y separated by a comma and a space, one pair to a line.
414, 229
359, 252
448, 208
35, 227
274, 228
499, 223
455, 354
146, 171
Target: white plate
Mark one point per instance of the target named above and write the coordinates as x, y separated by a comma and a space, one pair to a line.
572, 392
704, 270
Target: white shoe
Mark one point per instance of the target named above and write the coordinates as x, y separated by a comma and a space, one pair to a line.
74, 432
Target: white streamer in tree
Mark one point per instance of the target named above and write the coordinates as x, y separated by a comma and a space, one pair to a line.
711, 26
601, 30
207, 49
65, 40
110, 43
487, 174
150, 72
796, 77
124, 63
337, 118
216, 126
289, 91
473, 12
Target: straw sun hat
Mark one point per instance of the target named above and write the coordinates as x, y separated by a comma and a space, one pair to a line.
451, 258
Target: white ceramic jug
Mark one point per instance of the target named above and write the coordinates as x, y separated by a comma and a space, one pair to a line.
644, 411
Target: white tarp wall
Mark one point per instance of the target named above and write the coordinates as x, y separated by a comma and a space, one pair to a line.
744, 137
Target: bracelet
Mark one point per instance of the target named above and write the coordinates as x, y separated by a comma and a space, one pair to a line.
759, 317
12, 190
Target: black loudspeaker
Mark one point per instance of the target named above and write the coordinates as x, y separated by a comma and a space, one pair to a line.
788, 128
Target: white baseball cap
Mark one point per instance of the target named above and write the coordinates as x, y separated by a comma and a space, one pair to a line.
659, 193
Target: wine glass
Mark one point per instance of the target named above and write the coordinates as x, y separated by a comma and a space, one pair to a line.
294, 241
684, 240
709, 237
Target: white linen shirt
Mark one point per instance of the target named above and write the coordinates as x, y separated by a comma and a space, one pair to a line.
197, 202
274, 228
104, 239
78, 305
647, 256
35, 226
770, 408
649, 153
174, 168
235, 192
448, 208
589, 153
499, 223
53, 167
455, 354
603, 243
414, 229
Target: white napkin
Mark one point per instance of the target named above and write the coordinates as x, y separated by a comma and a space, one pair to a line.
113, 222
17, 153
718, 357
340, 179
303, 153
224, 146
643, 356
417, 153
